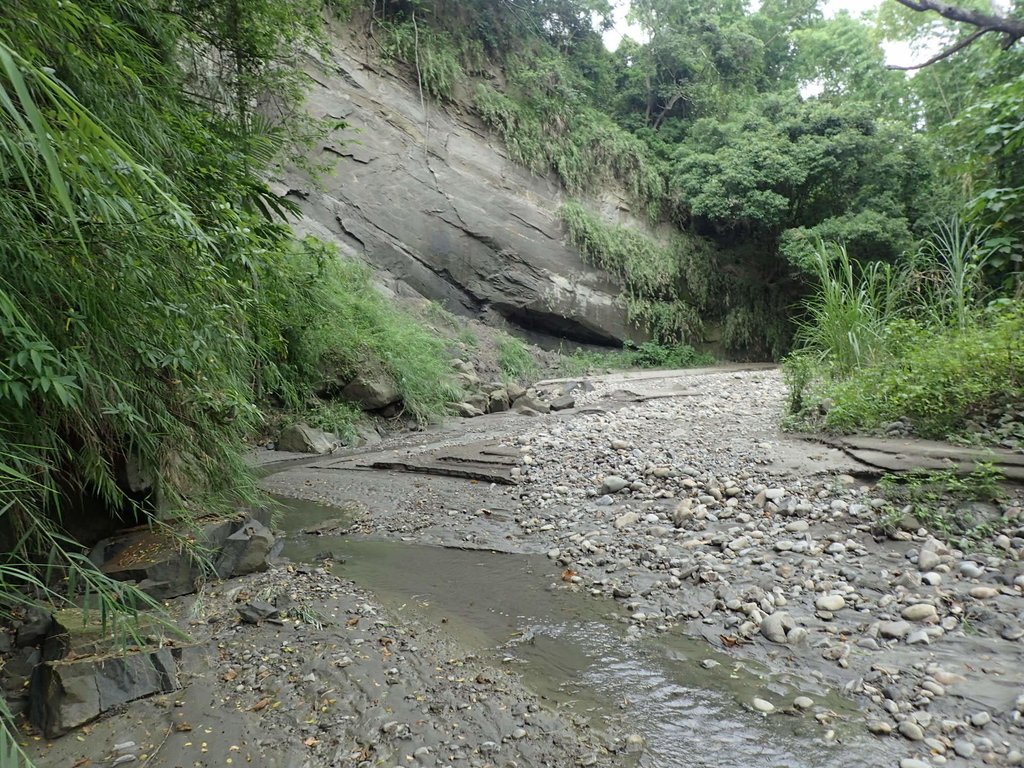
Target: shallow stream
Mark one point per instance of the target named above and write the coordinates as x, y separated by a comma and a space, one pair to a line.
691, 704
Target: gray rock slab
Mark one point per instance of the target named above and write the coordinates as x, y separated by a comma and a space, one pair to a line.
70, 694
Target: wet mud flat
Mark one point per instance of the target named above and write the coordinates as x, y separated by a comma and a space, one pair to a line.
672, 701
333, 679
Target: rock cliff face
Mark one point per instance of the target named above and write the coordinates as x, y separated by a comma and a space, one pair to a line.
428, 195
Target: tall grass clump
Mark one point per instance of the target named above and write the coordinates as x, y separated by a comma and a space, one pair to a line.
515, 361
951, 279
847, 312
547, 125
330, 322
914, 343
431, 53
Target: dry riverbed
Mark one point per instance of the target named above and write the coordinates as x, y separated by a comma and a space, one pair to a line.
677, 496
682, 585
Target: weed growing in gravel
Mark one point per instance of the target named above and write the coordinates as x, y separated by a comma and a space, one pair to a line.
438, 314
469, 338
939, 500
338, 417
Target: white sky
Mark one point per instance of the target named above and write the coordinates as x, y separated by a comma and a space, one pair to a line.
895, 53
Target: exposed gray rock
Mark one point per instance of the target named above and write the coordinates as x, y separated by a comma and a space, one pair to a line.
371, 391
928, 559
531, 400
365, 435
257, 611
763, 705
245, 551
443, 211
34, 627
157, 563
515, 391
466, 410
776, 626
613, 484
301, 438
830, 603
964, 748
497, 401
626, 519
67, 694
911, 730
563, 403
477, 400
894, 630
919, 612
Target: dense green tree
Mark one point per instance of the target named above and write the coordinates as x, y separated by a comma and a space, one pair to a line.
788, 170
842, 57
699, 54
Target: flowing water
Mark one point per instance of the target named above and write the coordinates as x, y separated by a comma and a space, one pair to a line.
690, 703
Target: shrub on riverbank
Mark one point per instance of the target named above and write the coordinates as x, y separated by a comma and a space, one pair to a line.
946, 381
646, 355
325, 318
881, 344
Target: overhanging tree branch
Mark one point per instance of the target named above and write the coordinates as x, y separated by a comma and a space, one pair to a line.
943, 54
1011, 29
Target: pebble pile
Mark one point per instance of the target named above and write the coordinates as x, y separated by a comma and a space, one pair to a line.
675, 507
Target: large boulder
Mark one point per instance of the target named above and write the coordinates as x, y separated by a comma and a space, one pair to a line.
85, 671
467, 410
245, 551
531, 401
156, 562
302, 438
365, 436
563, 403
497, 400
372, 391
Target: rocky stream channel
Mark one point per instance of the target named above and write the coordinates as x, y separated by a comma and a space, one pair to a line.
656, 576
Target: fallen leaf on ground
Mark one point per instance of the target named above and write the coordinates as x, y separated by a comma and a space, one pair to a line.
261, 704
730, 642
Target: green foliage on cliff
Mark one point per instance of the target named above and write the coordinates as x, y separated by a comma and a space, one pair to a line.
547, 126
656, 292
710, 125
433, 54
